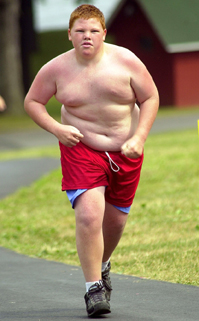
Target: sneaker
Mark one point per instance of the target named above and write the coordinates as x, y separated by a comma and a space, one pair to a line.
96, 301
107, 281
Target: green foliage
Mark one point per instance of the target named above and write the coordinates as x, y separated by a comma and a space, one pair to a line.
49, 45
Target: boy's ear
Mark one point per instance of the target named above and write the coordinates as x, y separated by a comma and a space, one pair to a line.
69, 35
105, 32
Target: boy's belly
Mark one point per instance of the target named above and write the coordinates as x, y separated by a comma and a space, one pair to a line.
105, 136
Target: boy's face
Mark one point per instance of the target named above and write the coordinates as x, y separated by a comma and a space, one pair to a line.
87, 36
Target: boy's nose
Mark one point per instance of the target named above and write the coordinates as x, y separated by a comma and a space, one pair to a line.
87, 35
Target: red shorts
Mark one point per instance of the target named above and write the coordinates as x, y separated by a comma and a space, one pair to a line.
85, 168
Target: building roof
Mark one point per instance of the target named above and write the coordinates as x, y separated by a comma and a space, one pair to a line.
175, 21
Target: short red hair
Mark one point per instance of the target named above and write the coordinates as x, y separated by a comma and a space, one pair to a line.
87, 11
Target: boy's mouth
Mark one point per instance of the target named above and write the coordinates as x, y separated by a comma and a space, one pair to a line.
86, 44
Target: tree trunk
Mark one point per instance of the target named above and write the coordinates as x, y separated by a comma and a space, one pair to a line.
11, 86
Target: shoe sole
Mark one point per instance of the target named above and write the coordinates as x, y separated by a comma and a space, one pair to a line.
99, 309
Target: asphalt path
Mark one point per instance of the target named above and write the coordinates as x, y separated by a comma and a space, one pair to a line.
36, 289
16, 173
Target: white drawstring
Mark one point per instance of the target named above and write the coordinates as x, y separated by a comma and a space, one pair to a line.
112, 162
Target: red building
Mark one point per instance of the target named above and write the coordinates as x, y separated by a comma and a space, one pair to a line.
164, 34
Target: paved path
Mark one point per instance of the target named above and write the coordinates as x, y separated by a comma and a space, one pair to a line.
175, 123
35, 289
17, 173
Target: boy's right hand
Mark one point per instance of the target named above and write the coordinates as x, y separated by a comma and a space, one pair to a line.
69, 135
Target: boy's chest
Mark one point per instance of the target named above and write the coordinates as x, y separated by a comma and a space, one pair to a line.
88, 87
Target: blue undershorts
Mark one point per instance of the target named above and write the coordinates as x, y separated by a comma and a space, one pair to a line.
74, 193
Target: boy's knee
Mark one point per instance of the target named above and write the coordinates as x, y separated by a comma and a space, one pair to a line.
90, 221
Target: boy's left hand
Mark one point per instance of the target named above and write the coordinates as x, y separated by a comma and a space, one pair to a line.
133, 148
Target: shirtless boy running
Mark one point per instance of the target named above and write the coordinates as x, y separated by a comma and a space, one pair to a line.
101, 137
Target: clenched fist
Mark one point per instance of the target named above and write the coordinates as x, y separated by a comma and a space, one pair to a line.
133, 148
68, 135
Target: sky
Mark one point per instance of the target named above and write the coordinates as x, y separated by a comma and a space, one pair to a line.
55, 14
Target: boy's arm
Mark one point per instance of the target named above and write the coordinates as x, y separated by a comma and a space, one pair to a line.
147, 95
41, 90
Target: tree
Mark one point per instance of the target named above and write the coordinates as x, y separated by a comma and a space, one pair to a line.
11, 87
16, 41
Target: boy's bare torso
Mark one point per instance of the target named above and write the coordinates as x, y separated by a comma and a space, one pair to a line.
97, 99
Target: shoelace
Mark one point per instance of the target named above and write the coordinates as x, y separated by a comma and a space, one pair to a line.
106, 278
96, 292
107, 283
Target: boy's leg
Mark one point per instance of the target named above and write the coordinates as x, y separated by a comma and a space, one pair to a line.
113, 225
89, 213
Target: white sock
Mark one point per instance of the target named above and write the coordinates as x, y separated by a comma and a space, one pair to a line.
89, 284
104, 265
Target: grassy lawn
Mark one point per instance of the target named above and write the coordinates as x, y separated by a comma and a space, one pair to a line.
161, 238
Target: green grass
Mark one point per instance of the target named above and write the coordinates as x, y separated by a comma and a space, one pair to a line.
48, 151
161, 238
